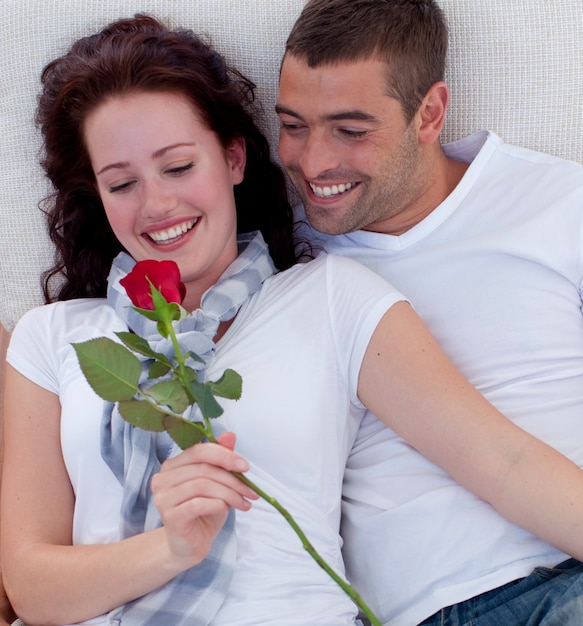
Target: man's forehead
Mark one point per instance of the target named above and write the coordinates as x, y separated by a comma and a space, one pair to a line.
347, 90
375, 62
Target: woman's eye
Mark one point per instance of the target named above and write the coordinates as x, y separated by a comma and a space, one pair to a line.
182, 169
121, 187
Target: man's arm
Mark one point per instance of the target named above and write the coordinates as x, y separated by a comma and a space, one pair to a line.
6, 613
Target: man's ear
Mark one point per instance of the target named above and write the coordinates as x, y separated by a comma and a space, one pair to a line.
431, 113
237, 157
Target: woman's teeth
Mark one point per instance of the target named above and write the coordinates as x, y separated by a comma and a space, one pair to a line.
167, 236
333, 190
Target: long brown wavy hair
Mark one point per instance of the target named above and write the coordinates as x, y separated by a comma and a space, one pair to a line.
142, 54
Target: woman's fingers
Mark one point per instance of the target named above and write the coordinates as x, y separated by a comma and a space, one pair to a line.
220, 454
194, 492
199, 480
227, 440
200, 465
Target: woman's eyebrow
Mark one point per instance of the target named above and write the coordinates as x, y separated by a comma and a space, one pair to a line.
156, 155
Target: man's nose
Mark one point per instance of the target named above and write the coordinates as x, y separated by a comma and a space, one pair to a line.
318, 155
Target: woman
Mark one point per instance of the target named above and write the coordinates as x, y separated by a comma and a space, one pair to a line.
153, 154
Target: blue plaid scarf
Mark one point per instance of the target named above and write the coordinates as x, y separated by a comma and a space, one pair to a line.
134, 455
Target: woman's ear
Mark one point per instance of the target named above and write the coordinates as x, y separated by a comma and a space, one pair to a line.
431, 113
237, 157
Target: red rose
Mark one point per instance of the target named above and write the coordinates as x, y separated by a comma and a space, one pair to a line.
164, 275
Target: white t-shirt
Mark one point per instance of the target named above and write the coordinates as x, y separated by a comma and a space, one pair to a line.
298, 345
496, 272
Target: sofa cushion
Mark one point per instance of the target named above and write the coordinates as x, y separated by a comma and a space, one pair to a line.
514, 67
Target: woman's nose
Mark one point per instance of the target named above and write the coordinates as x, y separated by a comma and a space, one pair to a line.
158, 199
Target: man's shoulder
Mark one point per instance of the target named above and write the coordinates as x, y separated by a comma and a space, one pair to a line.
487, 145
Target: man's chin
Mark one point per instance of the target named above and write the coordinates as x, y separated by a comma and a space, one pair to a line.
324, 221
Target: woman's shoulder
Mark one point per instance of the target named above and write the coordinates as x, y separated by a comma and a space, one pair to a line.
335, 270
61, 320
323, 262
65, 311
41, 341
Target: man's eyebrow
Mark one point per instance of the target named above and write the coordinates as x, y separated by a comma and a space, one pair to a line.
281, 109
355, 115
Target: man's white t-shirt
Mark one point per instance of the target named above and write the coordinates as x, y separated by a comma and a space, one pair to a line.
496, 272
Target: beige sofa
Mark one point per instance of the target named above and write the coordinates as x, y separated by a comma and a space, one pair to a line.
515, 67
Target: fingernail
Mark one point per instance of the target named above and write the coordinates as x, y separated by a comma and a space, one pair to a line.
241, 465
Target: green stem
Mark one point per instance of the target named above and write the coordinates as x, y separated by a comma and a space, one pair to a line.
352, 593
307, 545
181, 361
177, 352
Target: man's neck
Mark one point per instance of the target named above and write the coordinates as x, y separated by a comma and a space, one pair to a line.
442, 176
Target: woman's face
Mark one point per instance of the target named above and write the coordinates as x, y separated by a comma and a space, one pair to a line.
166, 183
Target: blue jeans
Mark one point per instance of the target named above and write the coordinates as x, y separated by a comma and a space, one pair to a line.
547, 597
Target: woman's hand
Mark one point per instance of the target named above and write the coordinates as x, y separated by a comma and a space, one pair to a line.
73, 583
193, 493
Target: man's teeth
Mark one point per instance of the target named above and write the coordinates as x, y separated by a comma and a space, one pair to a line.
163, 236
328, 192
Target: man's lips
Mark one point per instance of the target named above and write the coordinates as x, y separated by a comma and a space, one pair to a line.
331, 191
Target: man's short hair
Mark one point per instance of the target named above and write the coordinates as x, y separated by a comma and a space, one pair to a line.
409, 35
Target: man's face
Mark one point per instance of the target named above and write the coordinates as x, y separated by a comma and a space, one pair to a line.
348, 148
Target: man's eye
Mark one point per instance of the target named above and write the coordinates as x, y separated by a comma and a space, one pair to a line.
289, 127
182, 169
353, 134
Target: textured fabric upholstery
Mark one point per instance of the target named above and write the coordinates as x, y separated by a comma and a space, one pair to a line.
514, 67
249, 32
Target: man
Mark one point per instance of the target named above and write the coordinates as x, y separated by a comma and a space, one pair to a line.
487, 242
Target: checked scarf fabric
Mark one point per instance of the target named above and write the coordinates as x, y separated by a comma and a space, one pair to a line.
135, 455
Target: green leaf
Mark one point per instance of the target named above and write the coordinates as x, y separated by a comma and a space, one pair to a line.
159, 301
142, 414
141, 346
169, 393
158, 370
190, 373
183, 432
151, 315
111, 370
228, 386
194, 356
205, 399
163, 329
167, 311
182, 312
